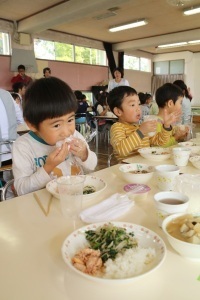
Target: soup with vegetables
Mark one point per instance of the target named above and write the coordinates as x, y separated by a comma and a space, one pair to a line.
185, 228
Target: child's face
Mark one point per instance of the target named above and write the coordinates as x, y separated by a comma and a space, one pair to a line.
56, 129
22, 91
177, 107
17, 100
130, 112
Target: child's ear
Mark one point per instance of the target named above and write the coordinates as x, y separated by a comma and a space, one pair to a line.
117, 111
31, 126
170, 103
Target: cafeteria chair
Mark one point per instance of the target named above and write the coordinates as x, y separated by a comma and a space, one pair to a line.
81, 123
8, 191
5, 169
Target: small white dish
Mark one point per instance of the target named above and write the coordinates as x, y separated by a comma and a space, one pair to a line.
96, 182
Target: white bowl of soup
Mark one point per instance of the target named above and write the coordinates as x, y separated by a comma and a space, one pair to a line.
183, 233
136, 172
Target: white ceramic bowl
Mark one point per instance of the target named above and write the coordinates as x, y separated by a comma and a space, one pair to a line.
128, 176
196, 141
187, 250
155, 153
195, 160
98, 183
187, 144
163, 210
145, 237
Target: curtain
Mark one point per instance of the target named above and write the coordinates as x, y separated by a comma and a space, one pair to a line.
159, 80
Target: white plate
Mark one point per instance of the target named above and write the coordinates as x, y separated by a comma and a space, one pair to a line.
146, 238
97, 182
155, 153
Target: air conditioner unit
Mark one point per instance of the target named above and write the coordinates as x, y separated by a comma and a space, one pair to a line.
24, 39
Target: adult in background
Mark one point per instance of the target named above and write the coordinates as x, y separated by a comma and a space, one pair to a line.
21, 76
186, 104
47, 72
118, 80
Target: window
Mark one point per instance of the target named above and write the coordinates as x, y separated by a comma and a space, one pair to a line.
137, 63
169, 67
44, 49
145, 64
64, 52
5, 43
67, 52
89, 97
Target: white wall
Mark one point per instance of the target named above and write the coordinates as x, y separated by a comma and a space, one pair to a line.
191, 73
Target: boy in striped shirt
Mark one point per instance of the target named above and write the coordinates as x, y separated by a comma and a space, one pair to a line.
127, 135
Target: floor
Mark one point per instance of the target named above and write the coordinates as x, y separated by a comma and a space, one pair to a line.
103, 153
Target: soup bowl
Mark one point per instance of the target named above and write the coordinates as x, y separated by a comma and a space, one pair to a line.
185, 248
136, 172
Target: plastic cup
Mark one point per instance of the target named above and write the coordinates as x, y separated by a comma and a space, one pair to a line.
150, 118
181, 156
166, 177
71, 194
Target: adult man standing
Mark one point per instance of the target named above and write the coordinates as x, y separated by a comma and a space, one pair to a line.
21, 76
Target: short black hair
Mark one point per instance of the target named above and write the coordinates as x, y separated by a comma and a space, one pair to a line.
17, 86
46, 69
21, 67
142, 97
166, 92
116, 96
78, 95
48, 99
15, 95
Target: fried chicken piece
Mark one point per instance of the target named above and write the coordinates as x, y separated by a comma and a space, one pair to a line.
88, 261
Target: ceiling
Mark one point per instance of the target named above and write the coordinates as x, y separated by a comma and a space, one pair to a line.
93, 18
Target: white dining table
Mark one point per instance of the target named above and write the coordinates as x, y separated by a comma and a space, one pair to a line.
32, 267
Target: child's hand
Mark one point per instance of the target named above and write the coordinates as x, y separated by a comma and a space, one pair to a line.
56, 157
180, 135
169, 119
78, 148
148, 126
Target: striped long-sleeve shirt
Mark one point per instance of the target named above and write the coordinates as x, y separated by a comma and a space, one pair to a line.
126, 139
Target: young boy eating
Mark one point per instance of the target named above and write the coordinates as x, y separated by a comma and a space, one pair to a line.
127, 136
49, 111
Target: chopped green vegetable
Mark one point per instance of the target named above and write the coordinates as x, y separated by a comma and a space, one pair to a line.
110, 240
88, 189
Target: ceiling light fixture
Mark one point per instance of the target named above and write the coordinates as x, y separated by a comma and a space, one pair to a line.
129, 25
181, 44
173, 45
194, 42
192, 11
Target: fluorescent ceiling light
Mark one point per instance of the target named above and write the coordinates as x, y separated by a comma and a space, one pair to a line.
128, 26
180, 44
194, 42
192, 11
173, 45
